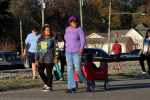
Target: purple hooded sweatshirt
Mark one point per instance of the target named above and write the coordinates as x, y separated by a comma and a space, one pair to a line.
75, 39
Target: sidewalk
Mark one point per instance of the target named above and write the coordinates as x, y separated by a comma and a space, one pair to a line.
64, 83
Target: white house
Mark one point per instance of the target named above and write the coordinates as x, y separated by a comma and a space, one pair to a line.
136, 37
125, 42
96, 40
137, 34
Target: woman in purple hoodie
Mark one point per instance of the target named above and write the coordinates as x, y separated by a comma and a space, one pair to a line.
75, 42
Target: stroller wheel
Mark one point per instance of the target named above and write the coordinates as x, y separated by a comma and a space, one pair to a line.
106, 85
92, 86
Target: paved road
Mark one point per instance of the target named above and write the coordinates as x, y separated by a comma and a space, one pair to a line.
138, 89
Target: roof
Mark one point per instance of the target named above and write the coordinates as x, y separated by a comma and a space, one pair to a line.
94, 40
120, 39
141, 26
141, 29
120, 32
105, 35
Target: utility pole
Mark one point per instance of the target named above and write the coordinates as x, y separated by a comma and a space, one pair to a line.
43, 6
21, 37
109, 29
81, 20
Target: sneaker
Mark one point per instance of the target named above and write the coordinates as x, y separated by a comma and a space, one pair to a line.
142, 73
148, 76
45, 86
119, 69
61, 78
70, 91
47, 89
34, 77
114, 68
87, 87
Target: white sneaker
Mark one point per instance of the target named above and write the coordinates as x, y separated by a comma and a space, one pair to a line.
34, 77
142, 73
47, 89
148, 76
45, 86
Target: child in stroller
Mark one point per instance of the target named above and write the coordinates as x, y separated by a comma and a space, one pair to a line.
89, 59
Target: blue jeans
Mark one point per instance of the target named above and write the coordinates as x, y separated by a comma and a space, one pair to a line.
74, 62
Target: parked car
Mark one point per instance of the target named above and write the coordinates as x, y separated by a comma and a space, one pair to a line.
133, 53
10, 60
101, 55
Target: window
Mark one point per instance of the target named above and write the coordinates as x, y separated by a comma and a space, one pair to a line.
85, 51
1, 57
135, 52
95, 52
12, 57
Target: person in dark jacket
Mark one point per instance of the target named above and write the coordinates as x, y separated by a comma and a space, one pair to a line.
46, 55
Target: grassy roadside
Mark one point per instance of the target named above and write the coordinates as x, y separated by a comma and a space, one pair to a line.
136, 71
22, 81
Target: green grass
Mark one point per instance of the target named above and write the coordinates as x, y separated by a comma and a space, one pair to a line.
136, 71
20, 81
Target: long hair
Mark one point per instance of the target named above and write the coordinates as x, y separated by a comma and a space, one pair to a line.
146, 33
61, 34
42, 33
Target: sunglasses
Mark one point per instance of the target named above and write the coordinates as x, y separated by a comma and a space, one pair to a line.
59, 35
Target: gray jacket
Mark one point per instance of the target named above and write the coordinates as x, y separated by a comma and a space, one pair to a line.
47, 50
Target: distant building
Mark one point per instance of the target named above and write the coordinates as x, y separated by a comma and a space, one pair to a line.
129, 38
125, 42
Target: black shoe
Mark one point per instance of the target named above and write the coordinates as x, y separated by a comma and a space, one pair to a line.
87, 87
70, 91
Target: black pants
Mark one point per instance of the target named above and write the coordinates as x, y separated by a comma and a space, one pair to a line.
46, 79
117, 56
62, 59
142, 59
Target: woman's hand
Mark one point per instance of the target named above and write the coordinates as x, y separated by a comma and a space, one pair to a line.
80, 52
56, 61
139, 54
37, 63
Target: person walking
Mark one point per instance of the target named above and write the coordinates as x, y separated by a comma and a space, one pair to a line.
61, 46
31, 42
75, 42
46, 55
145, 54
117, 50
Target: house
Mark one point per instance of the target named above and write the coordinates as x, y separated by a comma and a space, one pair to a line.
96, 40
137, 34
94, 43
129, 38
125, 42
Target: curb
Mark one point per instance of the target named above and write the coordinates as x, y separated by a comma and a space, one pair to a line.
29, 86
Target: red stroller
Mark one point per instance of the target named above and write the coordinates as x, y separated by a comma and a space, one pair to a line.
91, 74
